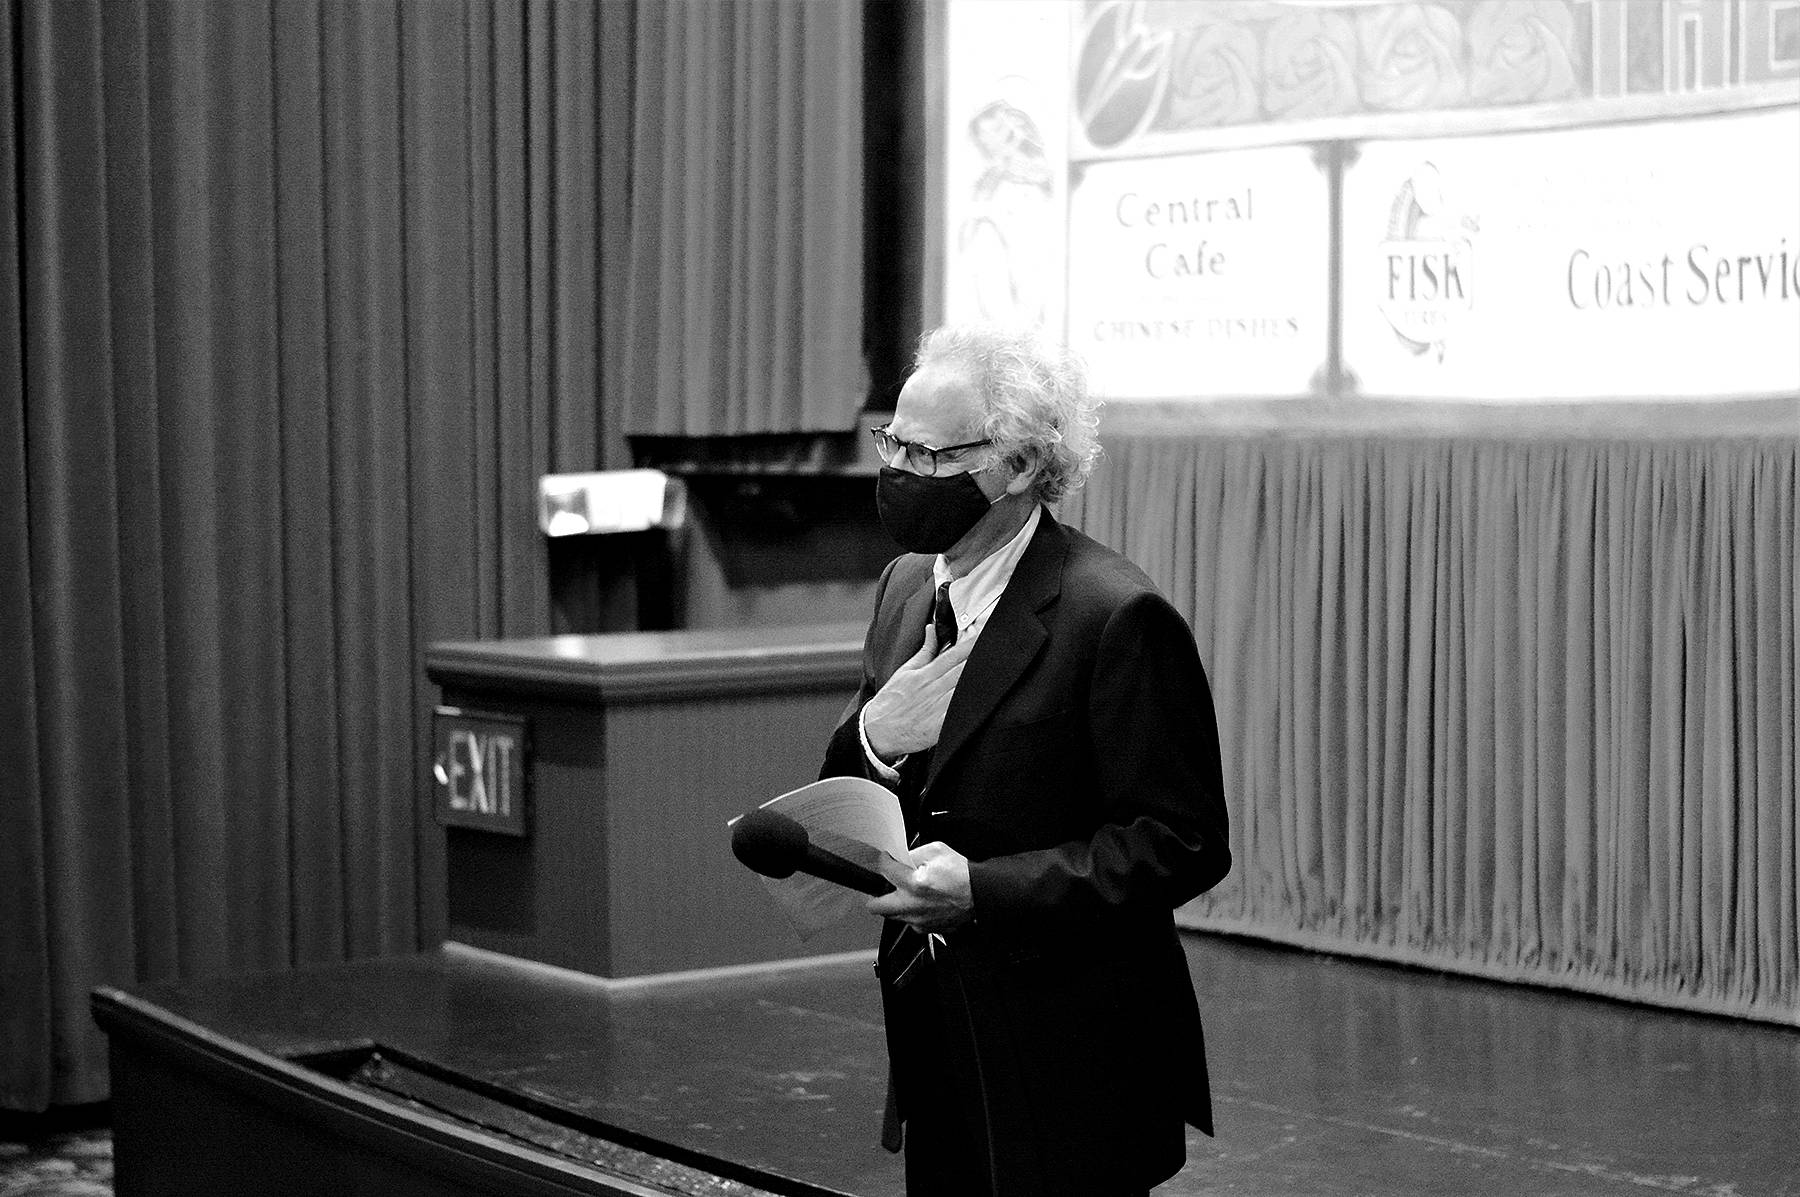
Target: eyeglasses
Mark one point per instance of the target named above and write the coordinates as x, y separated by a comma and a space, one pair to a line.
920, 459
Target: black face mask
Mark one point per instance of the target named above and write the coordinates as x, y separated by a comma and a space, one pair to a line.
928, 515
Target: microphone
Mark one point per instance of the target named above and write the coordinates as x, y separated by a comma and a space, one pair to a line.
774, 845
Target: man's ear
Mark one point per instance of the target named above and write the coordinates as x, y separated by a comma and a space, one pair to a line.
1025, 465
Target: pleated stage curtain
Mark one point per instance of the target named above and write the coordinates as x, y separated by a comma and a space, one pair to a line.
1508, 703
745, 294
299, 299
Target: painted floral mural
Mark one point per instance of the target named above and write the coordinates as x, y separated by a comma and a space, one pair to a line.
1162, 67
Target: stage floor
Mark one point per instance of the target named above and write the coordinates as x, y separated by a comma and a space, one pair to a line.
1330, 1076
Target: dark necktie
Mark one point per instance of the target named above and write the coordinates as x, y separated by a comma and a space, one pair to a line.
906, 947
943, 618
943, 626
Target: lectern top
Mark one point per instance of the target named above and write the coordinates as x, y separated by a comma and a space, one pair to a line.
652, 666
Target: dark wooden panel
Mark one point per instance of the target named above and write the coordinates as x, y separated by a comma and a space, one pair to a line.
676, 773
543, 897
195, 1113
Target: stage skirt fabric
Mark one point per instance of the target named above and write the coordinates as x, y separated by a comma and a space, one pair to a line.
1517, 702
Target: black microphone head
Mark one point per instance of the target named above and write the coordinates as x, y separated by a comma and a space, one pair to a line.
769, 843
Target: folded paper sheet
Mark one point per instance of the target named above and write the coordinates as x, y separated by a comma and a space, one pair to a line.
853, 818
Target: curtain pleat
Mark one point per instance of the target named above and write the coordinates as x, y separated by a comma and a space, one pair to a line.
301, 297
744, 299
26, 997
72, 532
1518, 706
317, 822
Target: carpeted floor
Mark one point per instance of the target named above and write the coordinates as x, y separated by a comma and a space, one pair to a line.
66, 1153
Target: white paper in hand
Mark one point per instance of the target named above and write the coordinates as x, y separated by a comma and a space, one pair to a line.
853, 818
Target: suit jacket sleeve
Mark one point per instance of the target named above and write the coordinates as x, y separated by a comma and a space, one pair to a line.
1161, 839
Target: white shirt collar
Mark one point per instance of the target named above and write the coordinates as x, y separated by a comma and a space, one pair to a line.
974, 594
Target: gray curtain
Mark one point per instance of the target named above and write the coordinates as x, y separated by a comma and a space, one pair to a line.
300, 297
1515, 704
745, 293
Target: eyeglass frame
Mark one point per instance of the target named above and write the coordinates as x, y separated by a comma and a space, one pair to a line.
909, 448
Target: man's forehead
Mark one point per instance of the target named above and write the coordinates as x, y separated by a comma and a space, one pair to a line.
936, 403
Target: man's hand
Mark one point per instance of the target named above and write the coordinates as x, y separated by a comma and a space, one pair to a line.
907, 714
935, 896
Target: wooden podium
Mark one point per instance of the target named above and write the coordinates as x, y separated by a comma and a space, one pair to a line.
638, 747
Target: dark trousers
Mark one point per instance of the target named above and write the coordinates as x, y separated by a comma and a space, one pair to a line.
945, 1146
945, 1151
941, 1158
941, 1161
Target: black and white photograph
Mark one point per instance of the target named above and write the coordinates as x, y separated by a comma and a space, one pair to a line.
899, 598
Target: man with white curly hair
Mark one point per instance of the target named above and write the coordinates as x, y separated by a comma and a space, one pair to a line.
1043, 715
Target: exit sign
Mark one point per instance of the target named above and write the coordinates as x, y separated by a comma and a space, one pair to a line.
480, 770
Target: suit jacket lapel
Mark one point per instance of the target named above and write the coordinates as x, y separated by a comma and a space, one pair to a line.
906, 630
1009, 642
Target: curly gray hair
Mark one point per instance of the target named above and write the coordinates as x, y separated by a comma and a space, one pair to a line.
1035, 397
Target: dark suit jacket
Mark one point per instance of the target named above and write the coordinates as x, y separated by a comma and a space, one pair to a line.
1078, 769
